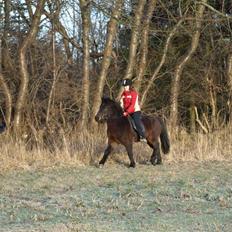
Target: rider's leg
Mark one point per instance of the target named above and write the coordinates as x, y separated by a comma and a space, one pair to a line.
138, 123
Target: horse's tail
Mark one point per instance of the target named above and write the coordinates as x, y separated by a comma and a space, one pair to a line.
164, 138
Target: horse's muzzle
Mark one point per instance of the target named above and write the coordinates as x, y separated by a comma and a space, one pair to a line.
97, 118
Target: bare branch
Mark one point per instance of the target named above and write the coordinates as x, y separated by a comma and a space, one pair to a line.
199, 121
214, 10
148, 86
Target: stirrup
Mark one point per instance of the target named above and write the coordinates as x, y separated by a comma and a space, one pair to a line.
143, 140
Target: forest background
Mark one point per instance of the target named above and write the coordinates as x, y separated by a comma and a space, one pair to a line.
58, 58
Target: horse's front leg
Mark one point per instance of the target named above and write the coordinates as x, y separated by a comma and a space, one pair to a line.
106, 154
129, 149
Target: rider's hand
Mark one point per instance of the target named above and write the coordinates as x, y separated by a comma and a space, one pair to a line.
125, 114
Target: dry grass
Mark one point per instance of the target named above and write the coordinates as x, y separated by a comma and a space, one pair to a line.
202, 147
84, 148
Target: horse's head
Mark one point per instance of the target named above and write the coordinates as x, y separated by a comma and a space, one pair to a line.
108, 109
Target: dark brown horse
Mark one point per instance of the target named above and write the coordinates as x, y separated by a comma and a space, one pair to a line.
120, 130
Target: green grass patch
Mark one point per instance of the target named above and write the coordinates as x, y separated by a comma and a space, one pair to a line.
171, 197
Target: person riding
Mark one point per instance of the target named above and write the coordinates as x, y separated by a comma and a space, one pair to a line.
130, 104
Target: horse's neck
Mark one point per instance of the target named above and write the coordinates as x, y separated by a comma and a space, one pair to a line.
117, 112
116, 115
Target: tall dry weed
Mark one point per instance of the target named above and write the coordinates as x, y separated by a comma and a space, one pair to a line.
84, 148
198, 146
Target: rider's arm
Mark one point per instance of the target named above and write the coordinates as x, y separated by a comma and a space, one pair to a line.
121, 101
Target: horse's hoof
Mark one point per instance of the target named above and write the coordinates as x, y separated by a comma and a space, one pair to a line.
100, 165
156, 162
153, 163
132, 165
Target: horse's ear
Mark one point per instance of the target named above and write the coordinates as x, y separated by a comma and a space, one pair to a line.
104, 98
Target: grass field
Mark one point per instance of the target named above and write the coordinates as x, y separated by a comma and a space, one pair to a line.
186, 196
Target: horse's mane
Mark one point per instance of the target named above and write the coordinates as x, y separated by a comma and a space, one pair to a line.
114, 105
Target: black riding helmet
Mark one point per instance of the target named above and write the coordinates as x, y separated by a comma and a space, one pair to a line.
126, 82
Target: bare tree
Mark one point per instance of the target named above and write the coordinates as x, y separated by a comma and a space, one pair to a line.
29, 8
180, 66
7, 62
144, 42
134, 39
54, 16
85, 13
8, 100
156, 71
229, 74
54, 75
24, 76
111, 31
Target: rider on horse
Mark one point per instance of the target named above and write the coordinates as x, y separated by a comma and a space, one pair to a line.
130, 104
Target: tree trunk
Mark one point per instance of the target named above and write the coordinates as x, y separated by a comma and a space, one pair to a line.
8, 100
192, 115
61, 29
85, 13
54, 16
213, 101
54, 75
165, 51
106, 59
179, 68
134, 39
144, 43
7, 63
24, 76
229, 74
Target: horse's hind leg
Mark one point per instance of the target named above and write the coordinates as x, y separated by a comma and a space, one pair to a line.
129, 150
156, 156
106, 154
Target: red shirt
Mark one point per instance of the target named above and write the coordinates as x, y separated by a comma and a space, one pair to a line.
129, 101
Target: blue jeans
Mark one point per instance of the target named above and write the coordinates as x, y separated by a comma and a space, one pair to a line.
138, 123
